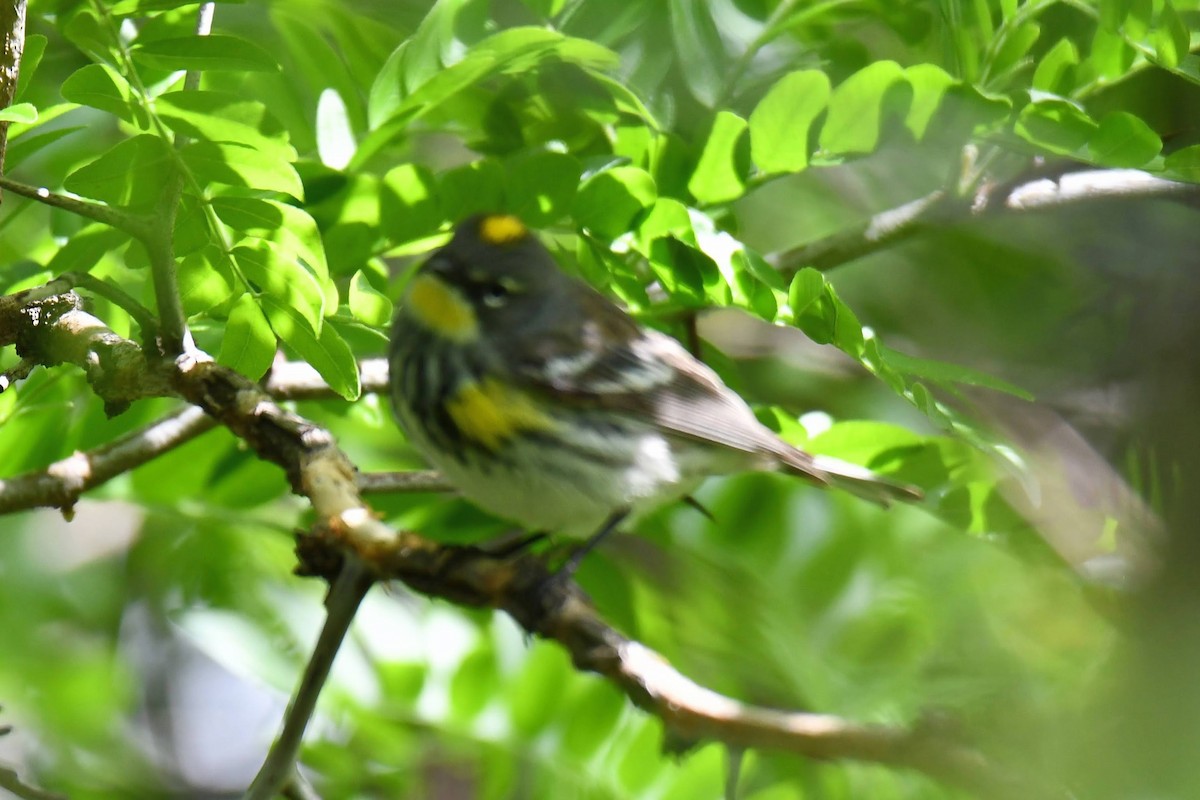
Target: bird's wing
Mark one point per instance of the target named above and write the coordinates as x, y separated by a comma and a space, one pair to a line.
607, 362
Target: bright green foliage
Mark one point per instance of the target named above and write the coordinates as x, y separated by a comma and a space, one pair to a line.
670, 152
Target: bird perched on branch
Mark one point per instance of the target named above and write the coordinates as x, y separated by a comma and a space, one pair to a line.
545, 403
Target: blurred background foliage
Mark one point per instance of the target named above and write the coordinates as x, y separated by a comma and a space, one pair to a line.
1032, 372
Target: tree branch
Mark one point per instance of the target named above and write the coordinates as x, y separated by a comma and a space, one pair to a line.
345, 595
392, 482
895, 225
12, 45
12, 783
61, 484
132, 224
528, 591
51, 329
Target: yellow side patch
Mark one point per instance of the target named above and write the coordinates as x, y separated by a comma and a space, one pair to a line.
502, 229
490, 413
441, 309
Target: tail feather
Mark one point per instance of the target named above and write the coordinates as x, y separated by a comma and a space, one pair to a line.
852, 478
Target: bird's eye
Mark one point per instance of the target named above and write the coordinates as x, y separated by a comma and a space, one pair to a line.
495, 294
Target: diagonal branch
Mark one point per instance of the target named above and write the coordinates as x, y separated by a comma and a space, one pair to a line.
555, 609
60, 484
890, 227
132, 224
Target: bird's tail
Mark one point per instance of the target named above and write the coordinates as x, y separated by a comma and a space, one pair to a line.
857, 480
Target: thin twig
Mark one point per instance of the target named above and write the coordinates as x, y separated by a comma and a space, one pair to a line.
297, 380
890, 227
160, 243
12, 783
393, 482
60, 484
345, 595
132, 224
117, 296
17, 373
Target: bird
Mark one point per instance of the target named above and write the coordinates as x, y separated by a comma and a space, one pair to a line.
545, 403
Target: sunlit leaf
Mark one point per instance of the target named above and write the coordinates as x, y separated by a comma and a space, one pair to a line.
241, 165
780, 123
720, 173
367, 304
248, 344
327, 352
212, 52
856, 109
1123, 140
607, 203
131, 174
224, 117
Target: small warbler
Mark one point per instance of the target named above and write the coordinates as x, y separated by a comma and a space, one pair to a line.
545, 403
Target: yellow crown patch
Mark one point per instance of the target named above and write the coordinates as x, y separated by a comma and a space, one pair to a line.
502, 229
441, 309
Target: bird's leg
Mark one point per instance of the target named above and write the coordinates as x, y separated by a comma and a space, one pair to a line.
510, 543
567, 570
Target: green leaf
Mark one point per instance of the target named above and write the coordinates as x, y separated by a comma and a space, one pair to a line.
418, 58
212, 52
667, 217
1055, 70
1110, 55
929, 83
26, 145
248, 344
223, 117
87, 247
102, 87
591, 715
1055, 125
1015, 48
699, 48
399, 96
287, 227
780, 124
1123, 140
236, 164
471, 188
409, 206
25, 113
719, 176
205, 280
84, 30
947, 373
541, 185
281, 277
31, 57
367, 304
474, 684
131, 174
1170, 37
856, 109
806, 288
607, 203
327, 353
1185, 164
